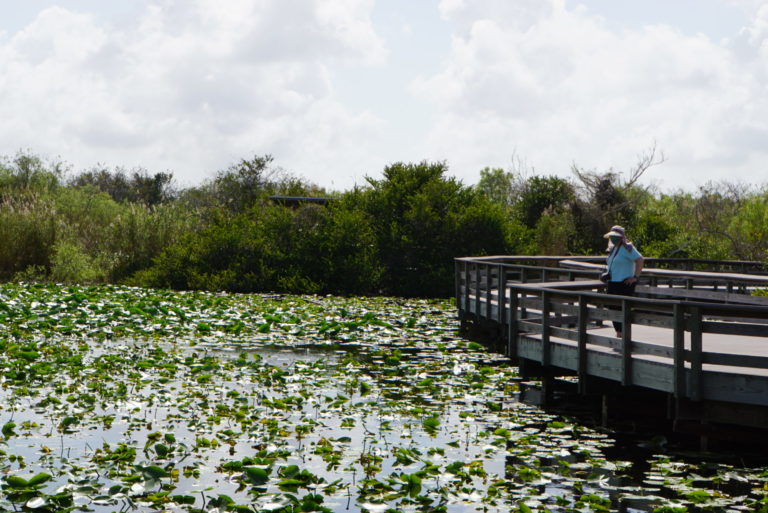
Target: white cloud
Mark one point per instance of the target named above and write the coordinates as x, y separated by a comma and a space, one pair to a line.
191, 86
554, 85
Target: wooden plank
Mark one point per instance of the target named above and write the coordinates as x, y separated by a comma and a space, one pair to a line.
566, 333
735, 360
732, 328
653, 375
533, 302
647, 348
564, 357
601, 314
667, 273
725, 297
603, 341
565, 285
528, 326
565, 308
649, 319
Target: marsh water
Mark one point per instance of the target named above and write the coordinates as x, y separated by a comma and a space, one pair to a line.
119, 399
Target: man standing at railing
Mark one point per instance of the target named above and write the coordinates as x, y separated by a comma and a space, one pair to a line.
625, 263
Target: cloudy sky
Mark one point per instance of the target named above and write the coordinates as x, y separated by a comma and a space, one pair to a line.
337, 89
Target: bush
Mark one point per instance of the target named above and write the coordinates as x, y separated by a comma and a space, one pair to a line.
28, 230
71, 264
273, 248
423, 220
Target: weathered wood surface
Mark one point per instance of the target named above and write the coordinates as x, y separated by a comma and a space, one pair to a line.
693, 342
700, 275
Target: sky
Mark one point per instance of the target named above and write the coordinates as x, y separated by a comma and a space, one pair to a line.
336, 90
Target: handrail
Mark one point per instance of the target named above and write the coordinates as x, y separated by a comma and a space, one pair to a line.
728, 276
688, 263
552, 313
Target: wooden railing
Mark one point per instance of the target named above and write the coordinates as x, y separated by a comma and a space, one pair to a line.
544, 315
549, 314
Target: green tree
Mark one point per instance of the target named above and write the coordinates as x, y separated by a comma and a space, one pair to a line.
422, 220
541, 194
498, 186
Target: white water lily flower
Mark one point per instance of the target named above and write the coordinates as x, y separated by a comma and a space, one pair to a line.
374, 508
133, 405
470, 497
37, 502
270, 506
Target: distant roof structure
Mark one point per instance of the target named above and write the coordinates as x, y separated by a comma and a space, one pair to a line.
292, 201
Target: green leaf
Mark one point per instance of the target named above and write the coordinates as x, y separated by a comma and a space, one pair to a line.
8, 429
523, 507
155, 472
39, 479
16, 482
256, 475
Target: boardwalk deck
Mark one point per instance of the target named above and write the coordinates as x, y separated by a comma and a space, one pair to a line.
698, 336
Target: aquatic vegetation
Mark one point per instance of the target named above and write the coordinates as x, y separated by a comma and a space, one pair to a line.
118, 398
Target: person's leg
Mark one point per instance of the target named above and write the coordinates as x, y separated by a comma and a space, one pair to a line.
619, 289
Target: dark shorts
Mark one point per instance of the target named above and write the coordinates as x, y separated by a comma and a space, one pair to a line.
619, 288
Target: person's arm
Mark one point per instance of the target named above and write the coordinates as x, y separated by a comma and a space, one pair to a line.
639, 263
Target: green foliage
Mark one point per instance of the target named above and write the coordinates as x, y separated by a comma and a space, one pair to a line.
27, 172
498, 186
422, 220
397, 235
137, 186
543, 195
28, 226
309, 249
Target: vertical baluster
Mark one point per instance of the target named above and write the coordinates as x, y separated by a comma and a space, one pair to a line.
696, 356
678, 351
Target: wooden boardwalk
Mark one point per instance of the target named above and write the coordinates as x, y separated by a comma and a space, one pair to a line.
699, 337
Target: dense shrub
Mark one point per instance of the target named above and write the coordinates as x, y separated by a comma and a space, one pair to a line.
274, 248
422, 220
28, 226
396, 235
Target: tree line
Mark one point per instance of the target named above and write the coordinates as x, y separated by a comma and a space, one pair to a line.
395, 235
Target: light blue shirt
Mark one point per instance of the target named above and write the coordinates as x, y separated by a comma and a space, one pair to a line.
621, 262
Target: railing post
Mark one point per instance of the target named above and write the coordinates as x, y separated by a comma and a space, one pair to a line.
696, 356
457, 277
488, 291
478, 291
582, 341
502, 295
545, 348
626, 343
678, 351
467, 279
513, 330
